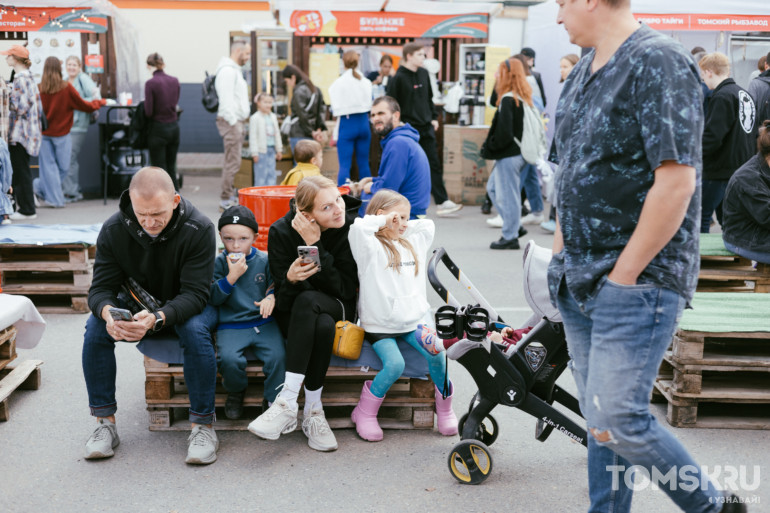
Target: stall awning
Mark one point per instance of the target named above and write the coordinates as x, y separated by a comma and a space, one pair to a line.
50, 19
396, 18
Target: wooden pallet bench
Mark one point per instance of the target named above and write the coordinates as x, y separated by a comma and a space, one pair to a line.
712, 378
55, 277
724, 271
24, 375
7, 346
409, 403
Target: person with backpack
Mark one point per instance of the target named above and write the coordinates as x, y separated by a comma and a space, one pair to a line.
161, 96
232, 113
504, 145
759, 89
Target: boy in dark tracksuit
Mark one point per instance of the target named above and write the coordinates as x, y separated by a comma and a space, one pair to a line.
729, 133
412, 90
243, 291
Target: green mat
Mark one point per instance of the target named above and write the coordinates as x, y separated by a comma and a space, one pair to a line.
728, 311
711, 244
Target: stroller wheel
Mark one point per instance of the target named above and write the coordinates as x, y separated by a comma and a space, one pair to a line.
470, 462
487, 431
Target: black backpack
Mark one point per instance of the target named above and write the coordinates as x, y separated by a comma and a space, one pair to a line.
209, 98
138, 128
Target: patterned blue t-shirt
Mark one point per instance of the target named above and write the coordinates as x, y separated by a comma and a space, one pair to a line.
613, 129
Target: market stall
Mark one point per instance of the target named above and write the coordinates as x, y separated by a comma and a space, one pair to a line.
377, 28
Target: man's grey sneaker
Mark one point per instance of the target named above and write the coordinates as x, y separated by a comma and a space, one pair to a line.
319, 434
234, 405
203, 446
279, 419
102, 441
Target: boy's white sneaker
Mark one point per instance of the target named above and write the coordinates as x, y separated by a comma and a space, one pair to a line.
279, 419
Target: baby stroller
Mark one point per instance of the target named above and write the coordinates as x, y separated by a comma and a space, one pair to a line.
523, 375
120, 160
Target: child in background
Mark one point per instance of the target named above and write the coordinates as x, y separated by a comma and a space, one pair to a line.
243, 291
265, 143
390, 252
310, 157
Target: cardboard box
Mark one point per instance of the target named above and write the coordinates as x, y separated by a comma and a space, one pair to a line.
465, 172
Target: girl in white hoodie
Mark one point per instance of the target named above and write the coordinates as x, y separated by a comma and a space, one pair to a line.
390, 252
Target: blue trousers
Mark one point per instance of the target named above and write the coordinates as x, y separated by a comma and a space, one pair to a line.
264, 170
393, 363
505, 192
200, 365
617, 341
54, 159
531, 185
711, 200
354, 134
763, 258
267, 344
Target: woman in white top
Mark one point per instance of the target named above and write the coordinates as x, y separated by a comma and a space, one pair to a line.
351, 98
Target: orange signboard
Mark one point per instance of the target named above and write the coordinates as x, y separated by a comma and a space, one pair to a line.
731, 22
391, 24
51, 19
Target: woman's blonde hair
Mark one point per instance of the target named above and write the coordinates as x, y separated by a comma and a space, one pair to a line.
52, 81
307, 190
350, 60
385, 199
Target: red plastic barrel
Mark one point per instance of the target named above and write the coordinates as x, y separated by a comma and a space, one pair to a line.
269, 203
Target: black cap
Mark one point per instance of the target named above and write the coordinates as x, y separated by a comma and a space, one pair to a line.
528, 52
239, 214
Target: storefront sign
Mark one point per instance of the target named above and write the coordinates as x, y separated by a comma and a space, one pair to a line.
388, 24
706, 22
51, 19
94, 64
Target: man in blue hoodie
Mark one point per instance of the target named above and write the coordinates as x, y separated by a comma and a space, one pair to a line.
404, 167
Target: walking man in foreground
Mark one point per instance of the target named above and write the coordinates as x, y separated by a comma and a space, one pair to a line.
628, 137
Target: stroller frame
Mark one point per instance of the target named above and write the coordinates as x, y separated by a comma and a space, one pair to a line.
525, 378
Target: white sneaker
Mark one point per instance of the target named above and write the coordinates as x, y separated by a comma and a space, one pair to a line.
448, 207
102, 441
18, 216
532, 218
6, 221
495, 222
203, 446
319, 434
278, 420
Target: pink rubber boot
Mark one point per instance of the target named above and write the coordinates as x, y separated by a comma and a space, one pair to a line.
364, 415
447, 422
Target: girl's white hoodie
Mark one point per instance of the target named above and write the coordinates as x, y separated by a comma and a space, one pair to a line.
391, 301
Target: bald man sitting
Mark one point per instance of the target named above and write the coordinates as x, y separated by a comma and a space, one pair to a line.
164, 243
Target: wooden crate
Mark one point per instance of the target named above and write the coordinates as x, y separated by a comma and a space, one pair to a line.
55, 277
7, 346
720, 273
717, 380
408, 405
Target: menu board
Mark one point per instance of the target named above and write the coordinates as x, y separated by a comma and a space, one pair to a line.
324, 69
51, 44
494, 55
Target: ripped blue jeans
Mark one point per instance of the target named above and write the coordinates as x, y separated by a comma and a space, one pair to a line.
617, 340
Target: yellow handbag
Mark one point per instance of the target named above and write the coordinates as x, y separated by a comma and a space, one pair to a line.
348, 338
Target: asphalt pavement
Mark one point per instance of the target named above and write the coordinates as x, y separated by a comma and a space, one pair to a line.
41, 447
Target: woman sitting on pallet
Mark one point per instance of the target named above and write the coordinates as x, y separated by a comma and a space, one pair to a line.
390, 252
310, 299
747, 204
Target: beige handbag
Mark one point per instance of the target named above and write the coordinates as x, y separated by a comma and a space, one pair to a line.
348, 338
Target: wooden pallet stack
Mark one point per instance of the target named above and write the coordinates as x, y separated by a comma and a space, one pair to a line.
408, 405
717, 372
55, 277
24, 375
724, 271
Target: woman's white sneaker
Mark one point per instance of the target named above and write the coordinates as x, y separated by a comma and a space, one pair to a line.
279, 419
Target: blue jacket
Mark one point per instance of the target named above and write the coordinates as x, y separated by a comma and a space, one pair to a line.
236, 302
403, 168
